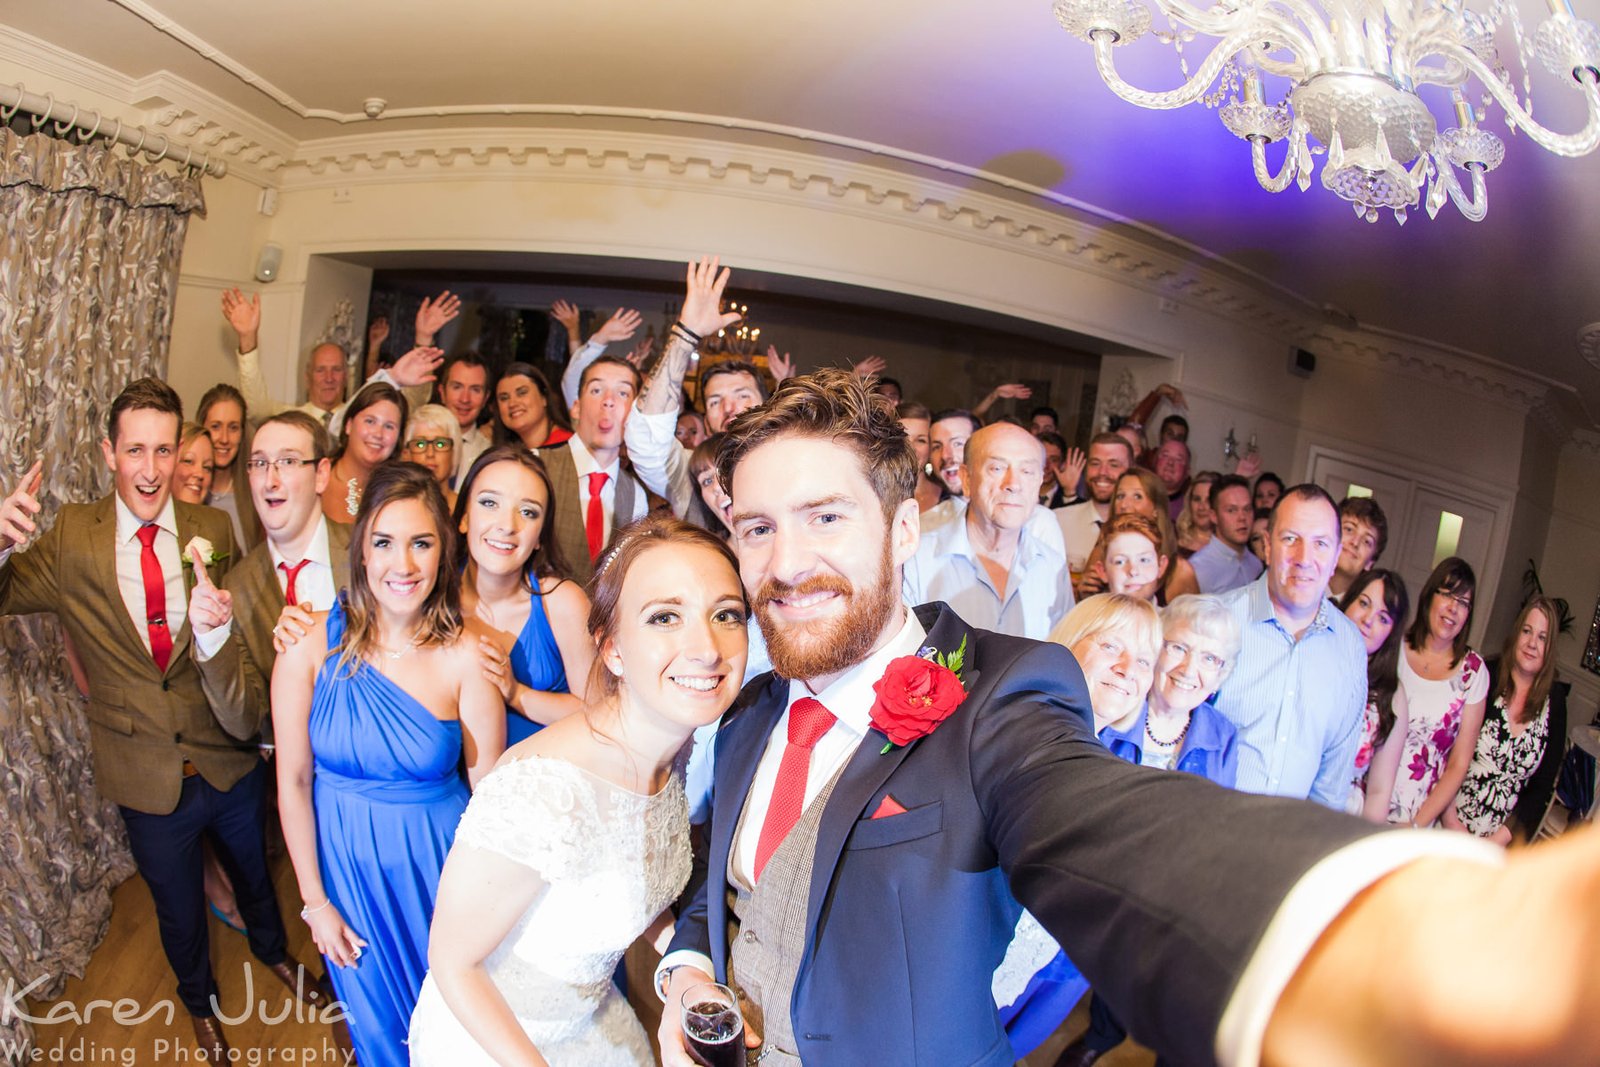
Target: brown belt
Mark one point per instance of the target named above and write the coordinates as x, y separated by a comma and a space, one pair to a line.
189, 769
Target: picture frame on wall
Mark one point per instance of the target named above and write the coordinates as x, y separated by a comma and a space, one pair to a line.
1591, 647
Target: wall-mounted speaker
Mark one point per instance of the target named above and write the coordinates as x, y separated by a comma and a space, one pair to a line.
1302, 363
268, 262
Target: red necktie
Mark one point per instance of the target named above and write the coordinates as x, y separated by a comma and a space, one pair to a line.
594, 520
288, 586
155, 597
808, 721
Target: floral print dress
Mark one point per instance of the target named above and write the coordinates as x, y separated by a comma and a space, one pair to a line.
1435, 720
1501, 766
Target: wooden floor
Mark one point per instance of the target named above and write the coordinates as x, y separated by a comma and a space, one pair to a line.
130, 966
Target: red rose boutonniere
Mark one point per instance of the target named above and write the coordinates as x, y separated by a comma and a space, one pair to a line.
916, 694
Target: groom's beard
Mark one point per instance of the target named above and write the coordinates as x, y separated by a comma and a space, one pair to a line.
827, 646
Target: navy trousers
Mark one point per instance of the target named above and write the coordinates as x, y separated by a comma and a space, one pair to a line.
166, 849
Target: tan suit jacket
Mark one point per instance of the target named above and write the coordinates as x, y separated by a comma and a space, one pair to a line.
143, 722
569, 512
238, 678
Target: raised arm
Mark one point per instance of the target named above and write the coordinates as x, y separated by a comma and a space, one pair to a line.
1008, 391
28, 581
244, 315
619, 327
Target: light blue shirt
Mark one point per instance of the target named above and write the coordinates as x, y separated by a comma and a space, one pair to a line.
1298, 704
946, 567
1219, 569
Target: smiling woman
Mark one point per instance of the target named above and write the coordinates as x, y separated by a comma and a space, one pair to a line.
580, 838
369, 436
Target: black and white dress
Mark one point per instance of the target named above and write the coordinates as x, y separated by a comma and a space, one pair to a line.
1501, 766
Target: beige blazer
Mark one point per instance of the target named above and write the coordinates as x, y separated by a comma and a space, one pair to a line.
238, 679
143, 723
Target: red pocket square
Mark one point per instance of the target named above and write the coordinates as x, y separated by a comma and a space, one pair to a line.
888, 806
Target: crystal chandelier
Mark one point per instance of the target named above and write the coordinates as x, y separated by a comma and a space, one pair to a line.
1354, 69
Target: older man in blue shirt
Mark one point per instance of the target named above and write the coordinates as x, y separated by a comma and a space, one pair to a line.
987, 562
1299, 688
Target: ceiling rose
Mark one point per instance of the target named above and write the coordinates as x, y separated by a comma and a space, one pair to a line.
1354, 69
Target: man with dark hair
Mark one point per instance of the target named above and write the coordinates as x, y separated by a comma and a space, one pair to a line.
889, 389
917, 422
1363, 535
1299, 689
1044, 420
729, 388
304, 560
118, 574
464, 392
898, 790
1053, 492
597, 495
948, 439
1110, 457
1225, 562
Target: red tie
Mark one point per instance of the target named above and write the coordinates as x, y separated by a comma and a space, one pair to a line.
808, 721
594, 521
288, 586
155, 598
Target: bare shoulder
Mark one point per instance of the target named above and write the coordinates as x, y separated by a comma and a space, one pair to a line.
565, 596
310, 649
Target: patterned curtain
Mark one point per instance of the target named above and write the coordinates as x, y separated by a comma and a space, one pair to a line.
89, 248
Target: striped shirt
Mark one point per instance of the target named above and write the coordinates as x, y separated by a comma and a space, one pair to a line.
1298, 704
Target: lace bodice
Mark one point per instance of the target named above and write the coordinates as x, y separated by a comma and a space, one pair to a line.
611, 860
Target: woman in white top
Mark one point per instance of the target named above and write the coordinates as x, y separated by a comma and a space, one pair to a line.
1446, 686
580, 838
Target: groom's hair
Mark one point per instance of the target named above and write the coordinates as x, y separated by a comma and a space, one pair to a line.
830, 405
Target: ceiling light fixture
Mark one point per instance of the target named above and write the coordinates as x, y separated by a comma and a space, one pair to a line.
1355, 68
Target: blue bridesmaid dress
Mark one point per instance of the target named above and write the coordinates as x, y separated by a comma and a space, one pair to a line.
536, 663
387, 798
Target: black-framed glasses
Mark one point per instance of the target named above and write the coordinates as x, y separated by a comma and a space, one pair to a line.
438, 444
284, 464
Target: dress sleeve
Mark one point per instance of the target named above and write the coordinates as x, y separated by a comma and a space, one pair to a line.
1478, 683
536, 812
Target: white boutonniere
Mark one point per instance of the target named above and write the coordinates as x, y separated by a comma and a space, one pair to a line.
202, 550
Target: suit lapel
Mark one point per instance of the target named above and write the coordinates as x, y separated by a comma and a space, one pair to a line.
187, 529
869, 768
103, 556
739, 748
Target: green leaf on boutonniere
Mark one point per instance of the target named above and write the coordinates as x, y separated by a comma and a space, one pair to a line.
954, 660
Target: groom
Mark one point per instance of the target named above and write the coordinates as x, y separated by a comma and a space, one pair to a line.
872, 835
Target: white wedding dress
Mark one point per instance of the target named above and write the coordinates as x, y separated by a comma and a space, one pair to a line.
611, 861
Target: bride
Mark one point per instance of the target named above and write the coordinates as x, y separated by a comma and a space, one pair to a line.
580, 837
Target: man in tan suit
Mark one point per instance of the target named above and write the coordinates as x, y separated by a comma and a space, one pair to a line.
114, 572
304, 560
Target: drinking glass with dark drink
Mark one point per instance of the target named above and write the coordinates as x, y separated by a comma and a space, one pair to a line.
713, 1028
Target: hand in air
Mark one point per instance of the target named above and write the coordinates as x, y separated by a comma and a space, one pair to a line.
15, 526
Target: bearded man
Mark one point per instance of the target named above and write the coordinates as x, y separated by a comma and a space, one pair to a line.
890, 798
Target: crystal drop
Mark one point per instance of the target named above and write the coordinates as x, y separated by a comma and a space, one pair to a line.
1400, 215
1361, 210
1372, 214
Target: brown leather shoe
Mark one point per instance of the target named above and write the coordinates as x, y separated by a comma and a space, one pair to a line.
208, 1035
1078, 1054
302, 983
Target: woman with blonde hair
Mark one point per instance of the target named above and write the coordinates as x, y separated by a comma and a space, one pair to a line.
579, 840
372, 714
1523, 740
1197, 522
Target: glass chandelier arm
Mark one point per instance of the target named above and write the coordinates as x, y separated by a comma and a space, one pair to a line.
1185, 94
1262, 20
1473, 209
1574, 144
1276, 183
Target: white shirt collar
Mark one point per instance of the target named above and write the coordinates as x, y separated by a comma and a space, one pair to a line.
128, 523
583, 460
850, 697
317, 551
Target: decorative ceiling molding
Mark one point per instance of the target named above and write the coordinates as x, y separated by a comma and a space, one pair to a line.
1585, 441
1426, 361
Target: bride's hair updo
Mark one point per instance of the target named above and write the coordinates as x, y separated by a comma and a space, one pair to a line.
605, 589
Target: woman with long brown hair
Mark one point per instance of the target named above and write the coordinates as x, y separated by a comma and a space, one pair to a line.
580, 838
1140, 492
519, 600
225, 418
1377, 603
372, 713
369, 436
1520, 747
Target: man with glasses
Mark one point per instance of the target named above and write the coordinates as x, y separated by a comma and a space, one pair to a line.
304, 560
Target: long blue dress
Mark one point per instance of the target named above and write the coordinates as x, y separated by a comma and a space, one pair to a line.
387, 799
536, 663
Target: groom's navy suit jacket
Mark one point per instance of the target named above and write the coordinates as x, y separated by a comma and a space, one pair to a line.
1158, 885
